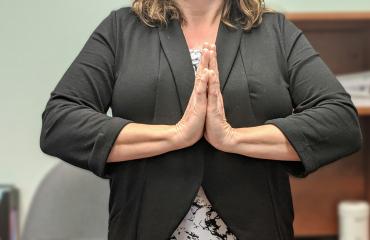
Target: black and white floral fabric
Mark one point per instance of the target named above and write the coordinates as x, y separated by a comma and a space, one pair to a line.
201, 222
195, 55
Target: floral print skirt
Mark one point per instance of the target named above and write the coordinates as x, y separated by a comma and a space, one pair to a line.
202, 222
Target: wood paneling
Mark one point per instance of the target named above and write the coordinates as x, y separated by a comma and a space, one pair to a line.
316, 196
332, 16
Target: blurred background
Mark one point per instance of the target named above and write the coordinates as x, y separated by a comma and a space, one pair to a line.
39, 39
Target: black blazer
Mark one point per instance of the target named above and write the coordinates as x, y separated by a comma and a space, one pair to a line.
269, 75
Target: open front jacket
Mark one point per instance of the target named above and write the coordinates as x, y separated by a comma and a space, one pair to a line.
269, 75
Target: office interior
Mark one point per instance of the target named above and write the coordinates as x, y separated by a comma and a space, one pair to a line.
35, 53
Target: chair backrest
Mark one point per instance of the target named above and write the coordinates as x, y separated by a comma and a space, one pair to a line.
70, 203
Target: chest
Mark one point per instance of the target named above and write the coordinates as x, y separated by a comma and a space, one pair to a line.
195, 36
154, 81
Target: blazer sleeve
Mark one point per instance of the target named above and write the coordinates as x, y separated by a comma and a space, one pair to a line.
324, 125
75, 126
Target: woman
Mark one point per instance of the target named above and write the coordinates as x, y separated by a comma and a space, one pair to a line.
201, 142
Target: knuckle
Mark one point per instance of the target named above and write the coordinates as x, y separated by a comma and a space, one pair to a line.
198, 92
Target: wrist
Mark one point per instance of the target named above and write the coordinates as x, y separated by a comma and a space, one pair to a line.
232, 141
176, 138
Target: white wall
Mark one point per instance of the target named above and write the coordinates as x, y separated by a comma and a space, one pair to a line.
39, 39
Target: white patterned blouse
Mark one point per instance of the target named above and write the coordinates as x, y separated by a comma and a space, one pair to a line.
201, 222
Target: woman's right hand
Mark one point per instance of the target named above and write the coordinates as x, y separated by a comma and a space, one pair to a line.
191, 126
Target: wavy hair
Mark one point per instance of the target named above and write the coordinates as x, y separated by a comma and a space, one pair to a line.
153, 12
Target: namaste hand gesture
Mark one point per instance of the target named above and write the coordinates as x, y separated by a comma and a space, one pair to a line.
205, 114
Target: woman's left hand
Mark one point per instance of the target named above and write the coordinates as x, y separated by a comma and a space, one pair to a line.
218, 131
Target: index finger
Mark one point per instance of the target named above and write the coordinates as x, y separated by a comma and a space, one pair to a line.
213, 58
204, 59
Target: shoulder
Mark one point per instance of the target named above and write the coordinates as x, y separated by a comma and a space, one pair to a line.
278, 21
125, 17
269, 31
272, 21
275, 27
124, 13
117, 19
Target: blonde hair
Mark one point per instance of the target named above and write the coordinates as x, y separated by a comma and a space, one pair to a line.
152, 12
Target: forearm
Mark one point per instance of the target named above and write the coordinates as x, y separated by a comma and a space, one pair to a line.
265, 141
138, 140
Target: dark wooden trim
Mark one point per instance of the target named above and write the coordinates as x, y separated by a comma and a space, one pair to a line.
331, 16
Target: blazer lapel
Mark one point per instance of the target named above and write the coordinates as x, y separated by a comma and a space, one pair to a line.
227, 45
176, 50
177, 53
